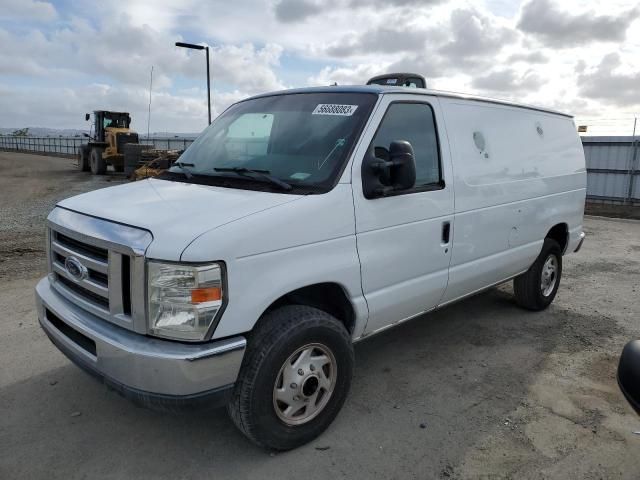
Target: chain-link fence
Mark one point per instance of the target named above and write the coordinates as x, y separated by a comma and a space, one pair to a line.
68, 146
174, 143
59, 146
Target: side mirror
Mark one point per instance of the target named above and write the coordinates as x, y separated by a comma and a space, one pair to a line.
629, 373
85, 135
383, 176
87, 116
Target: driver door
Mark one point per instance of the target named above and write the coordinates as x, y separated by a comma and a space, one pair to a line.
404, 240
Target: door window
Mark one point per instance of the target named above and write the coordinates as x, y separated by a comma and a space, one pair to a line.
413, 122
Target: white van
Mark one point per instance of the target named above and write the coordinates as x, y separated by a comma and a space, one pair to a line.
298, 223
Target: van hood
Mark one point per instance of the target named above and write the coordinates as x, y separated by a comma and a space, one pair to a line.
174, 212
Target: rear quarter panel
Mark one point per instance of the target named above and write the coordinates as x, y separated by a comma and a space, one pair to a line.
524, 174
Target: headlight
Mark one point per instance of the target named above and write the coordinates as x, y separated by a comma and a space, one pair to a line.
183, 300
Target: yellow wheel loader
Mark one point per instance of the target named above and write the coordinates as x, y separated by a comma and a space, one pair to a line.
106, 147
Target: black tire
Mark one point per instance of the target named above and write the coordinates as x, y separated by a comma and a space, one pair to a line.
278, 335
83, 158
98, 164
528, 287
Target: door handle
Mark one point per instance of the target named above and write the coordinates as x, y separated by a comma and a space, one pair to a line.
446, 232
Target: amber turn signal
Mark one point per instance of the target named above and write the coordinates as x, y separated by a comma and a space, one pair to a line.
202, 295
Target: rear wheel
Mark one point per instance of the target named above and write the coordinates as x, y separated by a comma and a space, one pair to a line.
537, 287
83, 158
98, 164
294, 378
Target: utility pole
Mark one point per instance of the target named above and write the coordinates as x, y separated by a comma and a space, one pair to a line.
209, 86
632, 163
149, 113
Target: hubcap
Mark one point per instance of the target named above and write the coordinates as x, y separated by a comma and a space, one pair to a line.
304, 384
549, 275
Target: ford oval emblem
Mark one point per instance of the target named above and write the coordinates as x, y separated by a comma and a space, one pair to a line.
75, 269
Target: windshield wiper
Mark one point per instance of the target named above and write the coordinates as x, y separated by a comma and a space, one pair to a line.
183, 166
264, 174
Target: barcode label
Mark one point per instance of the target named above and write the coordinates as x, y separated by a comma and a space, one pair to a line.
334, 109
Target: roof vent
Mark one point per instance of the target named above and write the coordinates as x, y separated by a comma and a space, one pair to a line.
411, 80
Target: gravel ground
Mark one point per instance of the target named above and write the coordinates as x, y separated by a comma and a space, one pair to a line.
481, 389
30, 185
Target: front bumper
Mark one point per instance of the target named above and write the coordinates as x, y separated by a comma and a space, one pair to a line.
152, 372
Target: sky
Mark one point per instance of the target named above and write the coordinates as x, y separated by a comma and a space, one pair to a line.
62, 58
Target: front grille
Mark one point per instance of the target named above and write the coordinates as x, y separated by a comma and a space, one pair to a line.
105, 290
94, 275
126, 285
84, 293
82, 247
99, 266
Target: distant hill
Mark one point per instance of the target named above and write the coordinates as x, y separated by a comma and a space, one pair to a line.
71, 132
46, 132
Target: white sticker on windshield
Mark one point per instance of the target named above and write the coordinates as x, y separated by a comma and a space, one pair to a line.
300, 176
334, 109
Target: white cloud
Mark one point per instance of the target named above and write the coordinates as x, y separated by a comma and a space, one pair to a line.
351, 75
33, 10
610, 82
65, 107
76, 60
559, 27
296, 10
507, 82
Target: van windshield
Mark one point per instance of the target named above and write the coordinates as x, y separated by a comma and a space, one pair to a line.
299, 140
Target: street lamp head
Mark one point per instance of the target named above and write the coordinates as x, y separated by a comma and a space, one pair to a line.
206, 51
190, 45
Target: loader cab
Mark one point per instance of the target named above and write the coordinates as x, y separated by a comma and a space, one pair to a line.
104, 119
411, 80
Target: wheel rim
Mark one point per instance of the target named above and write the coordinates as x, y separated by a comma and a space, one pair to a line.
304, 384
549, 275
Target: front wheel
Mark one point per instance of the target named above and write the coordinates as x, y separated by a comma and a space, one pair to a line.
98, 164
537, 287
294, 378
83, 158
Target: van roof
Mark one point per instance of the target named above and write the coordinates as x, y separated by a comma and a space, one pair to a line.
381, 89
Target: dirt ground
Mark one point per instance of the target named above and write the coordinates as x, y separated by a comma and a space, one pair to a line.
500, 392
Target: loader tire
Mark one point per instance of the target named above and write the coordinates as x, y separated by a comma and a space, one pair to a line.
98, 164
83, 158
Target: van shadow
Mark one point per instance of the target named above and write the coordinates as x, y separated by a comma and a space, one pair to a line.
423, 394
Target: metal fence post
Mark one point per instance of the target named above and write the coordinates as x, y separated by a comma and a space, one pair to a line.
632, 164
633, 171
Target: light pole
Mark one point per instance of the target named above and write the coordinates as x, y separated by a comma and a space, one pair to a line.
206, 49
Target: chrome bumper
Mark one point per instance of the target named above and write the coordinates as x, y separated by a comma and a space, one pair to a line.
142, 368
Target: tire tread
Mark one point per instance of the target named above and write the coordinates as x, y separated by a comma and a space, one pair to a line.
271, 328
526, 287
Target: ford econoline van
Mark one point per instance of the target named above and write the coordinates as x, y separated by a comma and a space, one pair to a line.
298, 223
